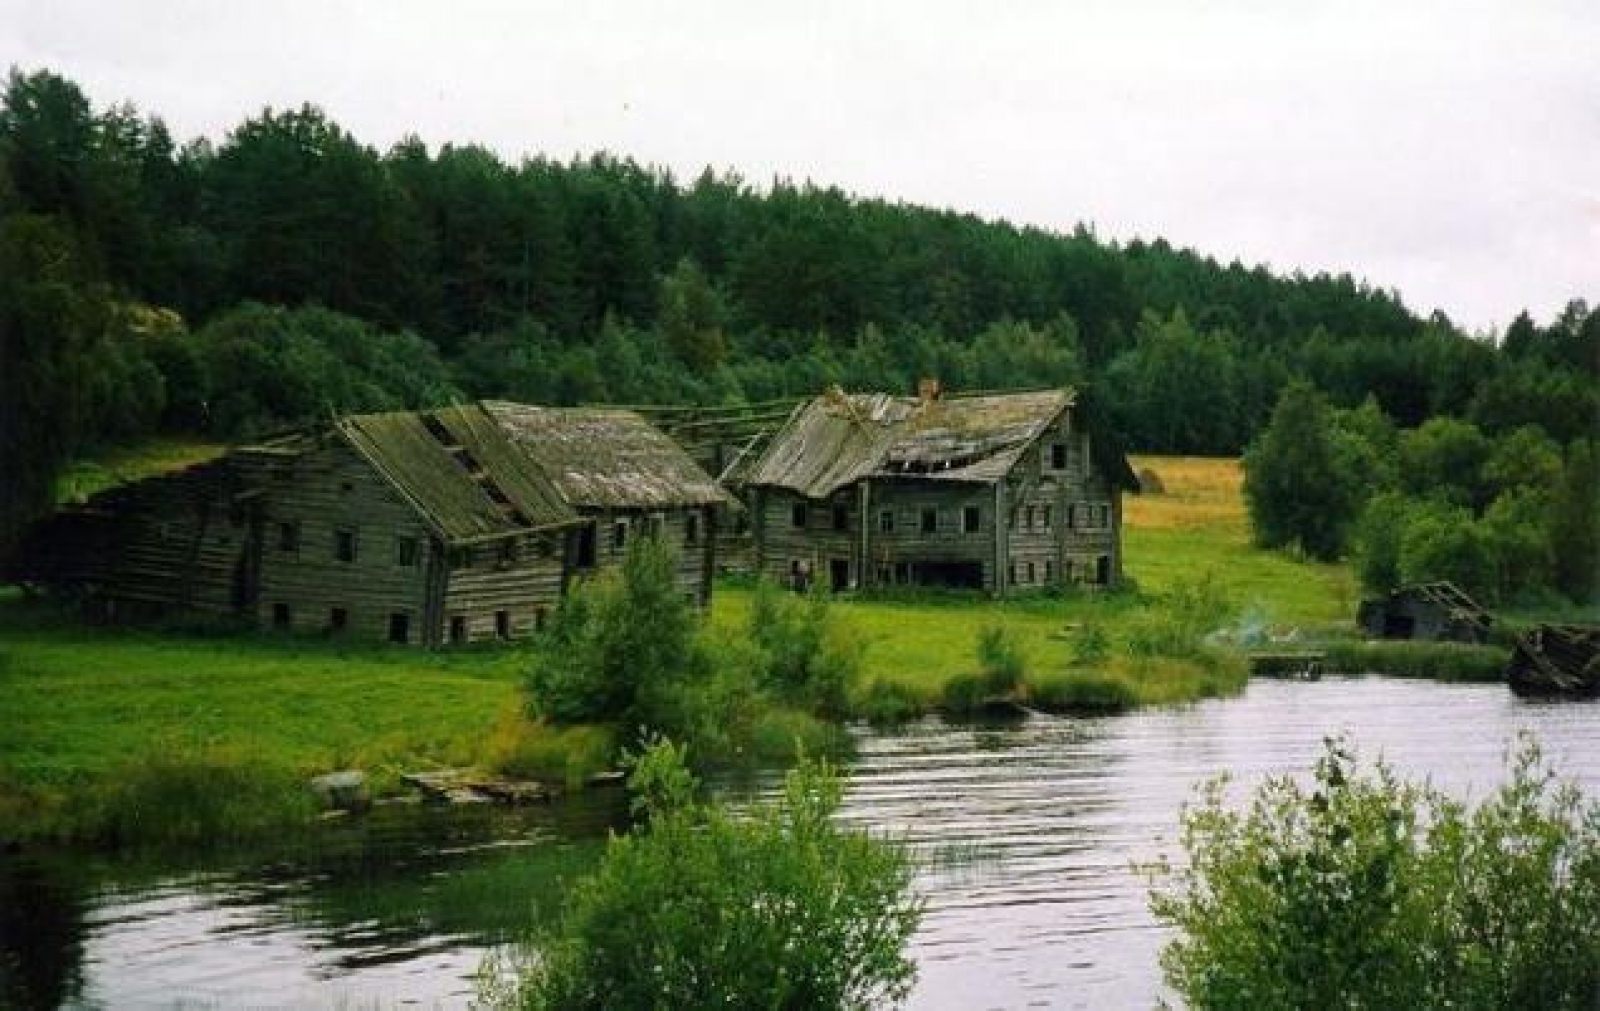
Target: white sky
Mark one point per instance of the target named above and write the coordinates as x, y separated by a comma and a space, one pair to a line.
1450, 150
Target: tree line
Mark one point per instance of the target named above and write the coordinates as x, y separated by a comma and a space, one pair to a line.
290, 271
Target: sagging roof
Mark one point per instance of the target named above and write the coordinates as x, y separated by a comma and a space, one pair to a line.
460, 469
606, 458
839, 438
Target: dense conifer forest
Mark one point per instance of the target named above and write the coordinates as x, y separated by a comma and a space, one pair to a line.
153, 284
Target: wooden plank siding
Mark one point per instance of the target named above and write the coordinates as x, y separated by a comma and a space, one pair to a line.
615, 529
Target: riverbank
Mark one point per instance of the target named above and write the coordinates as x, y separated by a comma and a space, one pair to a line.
118, 735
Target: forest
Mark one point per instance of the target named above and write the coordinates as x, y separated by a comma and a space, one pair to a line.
150, 285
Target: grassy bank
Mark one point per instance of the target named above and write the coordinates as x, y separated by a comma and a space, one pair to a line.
1437, 661
128, 735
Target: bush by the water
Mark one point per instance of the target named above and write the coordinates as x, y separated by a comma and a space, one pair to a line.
1365, 891
885, 702
1440, 661
807, 656
1000, 658
195, 798
1080, 691
778, 907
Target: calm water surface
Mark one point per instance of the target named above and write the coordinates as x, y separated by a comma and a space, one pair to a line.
1028, 829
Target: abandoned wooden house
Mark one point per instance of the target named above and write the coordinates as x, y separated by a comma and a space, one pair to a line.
625, 479
999, 492
1437, 611
424, 527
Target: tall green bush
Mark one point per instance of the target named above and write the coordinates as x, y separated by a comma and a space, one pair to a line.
779, 907
1365, 891
807, 656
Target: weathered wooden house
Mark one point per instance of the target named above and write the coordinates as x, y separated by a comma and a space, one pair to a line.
425, 527
1438, 611
999, 492
625, 479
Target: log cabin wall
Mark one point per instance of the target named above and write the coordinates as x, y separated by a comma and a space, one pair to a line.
1064, 517
342, 551
803, 535
931, 532
690, 531
503, 589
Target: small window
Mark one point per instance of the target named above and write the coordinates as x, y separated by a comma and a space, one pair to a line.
1012, 520
541, 617
619, 535
405, 550
1047, 517
338, 619
841, 516
347, 487
797, 515
1049, 572
1058, 456
1072, 517
400, 627
1030, 518
1105, 516
458, 628
280, 616
886, 521
691, 529
971, 520
344, 545
502, 624
1030, 572
930, 521
288, 537
1013, 573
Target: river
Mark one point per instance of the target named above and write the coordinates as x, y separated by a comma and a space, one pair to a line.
1028, 830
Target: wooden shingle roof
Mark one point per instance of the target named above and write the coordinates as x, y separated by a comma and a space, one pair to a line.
838, 438
460, 471
606, 458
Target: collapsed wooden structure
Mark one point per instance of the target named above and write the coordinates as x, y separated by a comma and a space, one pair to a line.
1439, 611
452, 525
995, 492
1556, 659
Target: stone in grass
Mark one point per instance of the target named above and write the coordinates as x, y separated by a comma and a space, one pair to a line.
345, 790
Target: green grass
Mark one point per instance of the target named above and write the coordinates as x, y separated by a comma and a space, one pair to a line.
1439, 661
86, 709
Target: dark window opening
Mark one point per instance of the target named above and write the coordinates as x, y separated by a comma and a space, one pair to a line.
691, 529
1047, 517
1030, 518
508, 552
338, 619
347, 487
839, 574
344, 545
406, 551
1102, 570
930, 521
951, 575
502, 624
1058, 456
400, 627
280, 615
289, 537
541, 617
1013, 573
797, 515
458, 628
619, 535
1030, 572
586, 547
971, 520
841, 517
886, 521
1049, 572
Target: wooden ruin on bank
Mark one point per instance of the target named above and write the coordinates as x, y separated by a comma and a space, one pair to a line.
453, 525
1439, 611
998, 492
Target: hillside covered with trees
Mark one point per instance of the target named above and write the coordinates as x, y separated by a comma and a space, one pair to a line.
150, 284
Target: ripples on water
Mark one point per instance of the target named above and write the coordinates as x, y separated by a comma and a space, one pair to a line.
1027, 832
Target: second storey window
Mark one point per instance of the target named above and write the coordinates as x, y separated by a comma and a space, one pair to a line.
289, 537
930, 521
797, 515
886, 521
841, 517
971, 519
1047, 517
405, 551
344, 545
1058, 456
619, 535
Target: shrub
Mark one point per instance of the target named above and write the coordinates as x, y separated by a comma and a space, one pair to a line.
808, 656
622, 648
965, 694
1368, 891
780, 907
1000, 658
889, 702
1190, 612
1091, 646
1081, 692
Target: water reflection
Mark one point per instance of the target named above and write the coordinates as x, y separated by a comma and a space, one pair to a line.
1026, 830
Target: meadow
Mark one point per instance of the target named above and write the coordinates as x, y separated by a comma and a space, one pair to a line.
90, 710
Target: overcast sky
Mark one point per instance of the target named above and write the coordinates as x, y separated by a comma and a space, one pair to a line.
1449, 150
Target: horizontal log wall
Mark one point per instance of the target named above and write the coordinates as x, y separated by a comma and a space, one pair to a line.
521, 577
615, 529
